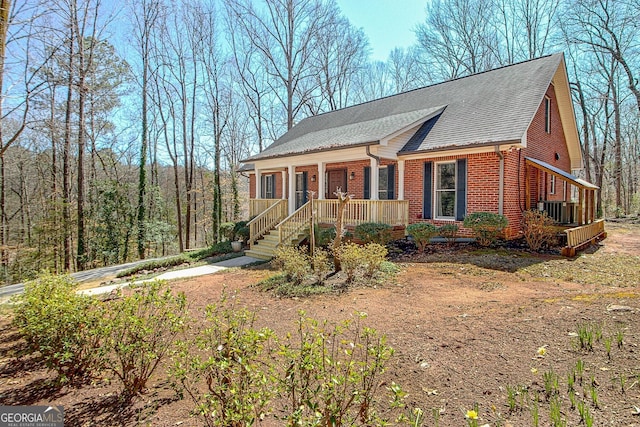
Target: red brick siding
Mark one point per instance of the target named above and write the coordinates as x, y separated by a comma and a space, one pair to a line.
544, 146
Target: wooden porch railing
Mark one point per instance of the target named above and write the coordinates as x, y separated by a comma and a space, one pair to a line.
579, 236
257, 206
294, 224
392, 212
266, 220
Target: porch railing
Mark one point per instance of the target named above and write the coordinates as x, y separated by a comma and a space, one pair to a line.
561, 212
257, 206
580, 235
392, 212
293, 225
266, 220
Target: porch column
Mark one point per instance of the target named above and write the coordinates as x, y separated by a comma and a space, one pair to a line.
375, 180
283, 175
292, 189
258, 184
400, 179
581, 212
321, 173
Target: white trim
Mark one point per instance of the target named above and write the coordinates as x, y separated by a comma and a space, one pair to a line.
292, 188
459, 152
321, 180
435, 190
400, 180
258, 183
283, 176
552, 185
374, 179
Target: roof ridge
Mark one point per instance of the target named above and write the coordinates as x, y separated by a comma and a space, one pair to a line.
432, 85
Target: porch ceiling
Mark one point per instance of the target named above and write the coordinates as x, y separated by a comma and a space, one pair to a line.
574, 180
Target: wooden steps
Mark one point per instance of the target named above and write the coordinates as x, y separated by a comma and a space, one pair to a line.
265, 248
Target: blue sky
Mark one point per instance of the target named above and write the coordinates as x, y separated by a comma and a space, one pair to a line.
387, 23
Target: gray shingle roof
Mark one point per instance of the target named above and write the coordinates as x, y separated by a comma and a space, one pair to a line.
490, 107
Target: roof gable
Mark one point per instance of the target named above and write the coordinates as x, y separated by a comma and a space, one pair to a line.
492, 107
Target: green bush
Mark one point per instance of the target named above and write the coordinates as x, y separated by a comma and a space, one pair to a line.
449, 232
538, 229
487, 227
421, 232
62, 326
324, 235
294, 263
331, 374
373, 232
361, 260
227, 230
320, 265
140, 330
230, 378
241, 231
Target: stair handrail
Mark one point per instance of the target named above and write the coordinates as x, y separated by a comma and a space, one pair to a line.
292, 225
266, 221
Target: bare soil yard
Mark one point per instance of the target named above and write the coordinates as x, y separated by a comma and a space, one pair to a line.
467, 326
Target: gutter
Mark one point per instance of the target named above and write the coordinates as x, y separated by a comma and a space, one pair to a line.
373, 156
501, 182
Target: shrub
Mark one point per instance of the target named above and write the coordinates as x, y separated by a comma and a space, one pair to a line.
324, 235
233, 365
421, 233
538, 229
227, 230
366, 260
373, 232
140, 330
449, 232
320, 265
294, 263
241, 231
351, 258
374, 256
332, 373
62, 326
487, 227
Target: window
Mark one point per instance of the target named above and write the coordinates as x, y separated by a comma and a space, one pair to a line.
446, 190
552, 187
268, 186
383, 183
547, 115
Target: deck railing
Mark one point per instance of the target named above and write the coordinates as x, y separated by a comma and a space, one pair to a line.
579, 235
561, 212
266, 220
257, 206
392, 212
293, 225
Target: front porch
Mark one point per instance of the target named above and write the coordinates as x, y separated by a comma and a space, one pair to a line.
271, 227
578, 216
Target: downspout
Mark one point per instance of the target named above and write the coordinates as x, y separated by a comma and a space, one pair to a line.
501, 182
373, 156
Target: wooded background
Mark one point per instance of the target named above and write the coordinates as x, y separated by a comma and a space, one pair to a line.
122, 123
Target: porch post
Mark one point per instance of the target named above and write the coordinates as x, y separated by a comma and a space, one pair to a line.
283, 175
321, 173
375, 179
258, 184
292, 189
581, 206
400, 179
527, 188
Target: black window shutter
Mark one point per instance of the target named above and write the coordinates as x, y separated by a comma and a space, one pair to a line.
427, 190
391, 181
305, 188
461, 190
367, 182
263, 189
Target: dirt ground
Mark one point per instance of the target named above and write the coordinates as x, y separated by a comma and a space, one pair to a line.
466, 326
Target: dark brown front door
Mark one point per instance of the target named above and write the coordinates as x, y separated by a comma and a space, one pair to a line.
336, 179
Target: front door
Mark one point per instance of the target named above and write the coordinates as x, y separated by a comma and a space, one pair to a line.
301, 189
336, 179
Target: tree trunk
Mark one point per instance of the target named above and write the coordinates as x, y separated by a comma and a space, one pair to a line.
66, 172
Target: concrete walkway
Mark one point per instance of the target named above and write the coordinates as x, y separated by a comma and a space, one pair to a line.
202, 270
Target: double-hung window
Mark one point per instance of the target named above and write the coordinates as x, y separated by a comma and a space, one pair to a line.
445, 190
268, 185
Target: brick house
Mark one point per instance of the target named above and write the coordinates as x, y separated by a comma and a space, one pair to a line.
500, 141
